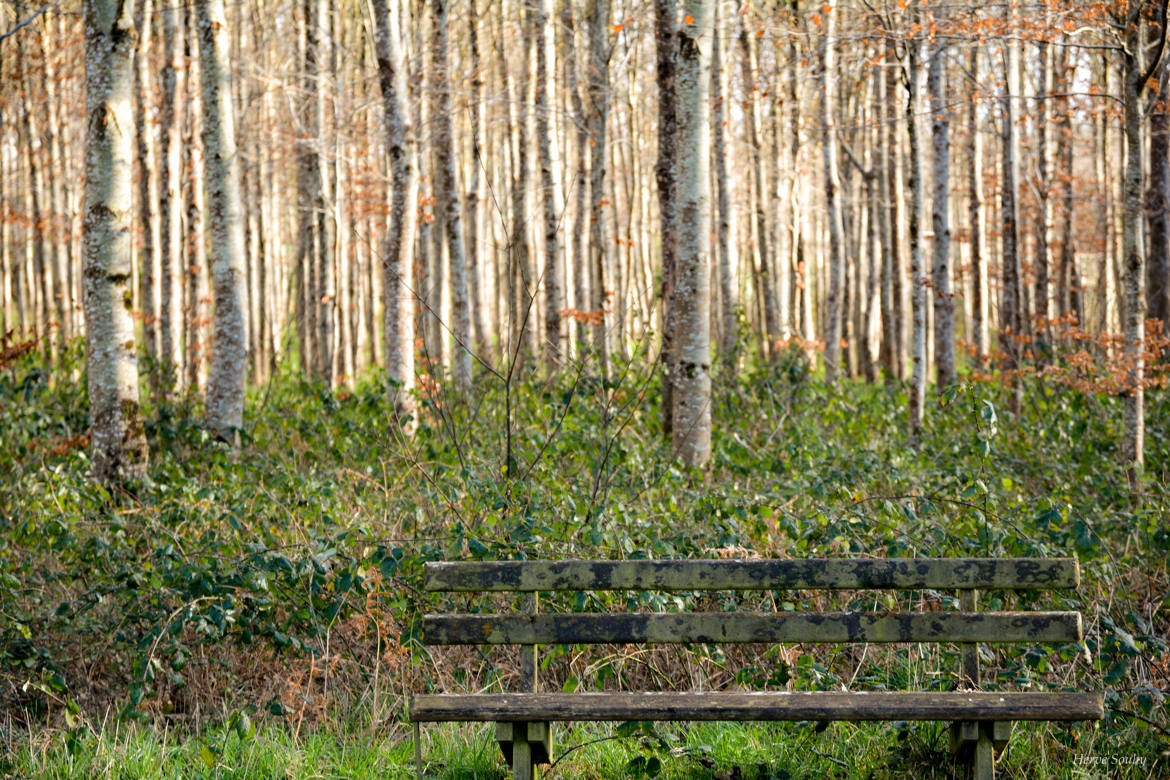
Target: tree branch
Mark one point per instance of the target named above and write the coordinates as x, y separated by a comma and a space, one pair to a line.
46, 7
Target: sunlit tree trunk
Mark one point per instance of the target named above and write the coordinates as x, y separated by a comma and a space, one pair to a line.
944, 302
581, 211
477, 236
728, 259
398, 253
171, 199
759, 189
836, 265
598, 81
1042, 306
198, 296
119, 439
691, 428
229, 360
148, 194
447, 189
548, 149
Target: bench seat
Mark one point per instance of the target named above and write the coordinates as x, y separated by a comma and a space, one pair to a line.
768, 705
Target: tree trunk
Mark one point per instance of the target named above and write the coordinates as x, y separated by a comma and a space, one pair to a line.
836, 264
229, 363
198, 297
979, 292
1011, 321
1042, 292
119, 439
918, 273
665, 175
944, 301
398, 253
448, 196
1158, 206
691, 426
171, 201
598, 80
550, 181
728, 259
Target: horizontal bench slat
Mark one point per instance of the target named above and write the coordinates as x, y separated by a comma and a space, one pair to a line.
775, 706
765, 574
720, 627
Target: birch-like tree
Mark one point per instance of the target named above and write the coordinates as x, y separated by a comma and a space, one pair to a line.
944, 301
447, 189
691, 426
119, 439
229, 358
398, 252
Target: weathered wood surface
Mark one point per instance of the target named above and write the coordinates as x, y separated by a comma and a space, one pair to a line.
831, 705
767, 574
720, 627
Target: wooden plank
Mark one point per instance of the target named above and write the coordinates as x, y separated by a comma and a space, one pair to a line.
780, 705
721, 627
766, 574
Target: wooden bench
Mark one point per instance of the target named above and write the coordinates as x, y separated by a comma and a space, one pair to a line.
980, 720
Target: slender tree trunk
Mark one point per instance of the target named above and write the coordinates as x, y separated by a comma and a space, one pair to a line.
398, 254
171, 201
728, 259
836, 264
691, 428
759, 192
198, 297
548, 150
892, 196
665, 176
580, 184
148, 192
1071, 285
447, 189
1042, 293
1158, 205
229, 363
1011, 321
979, 292
918, 272
598, 81
476, 192
944, 301
119, 439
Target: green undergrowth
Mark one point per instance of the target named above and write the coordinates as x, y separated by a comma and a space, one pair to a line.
279, 586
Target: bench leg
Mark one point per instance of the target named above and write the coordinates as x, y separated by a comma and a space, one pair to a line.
522, 767
984, 755
418, 751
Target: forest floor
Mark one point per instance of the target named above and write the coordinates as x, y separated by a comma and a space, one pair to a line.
256, 613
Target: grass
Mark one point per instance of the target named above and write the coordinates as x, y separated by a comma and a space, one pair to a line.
698, 751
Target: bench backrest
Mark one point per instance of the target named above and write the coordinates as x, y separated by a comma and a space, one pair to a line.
966, 575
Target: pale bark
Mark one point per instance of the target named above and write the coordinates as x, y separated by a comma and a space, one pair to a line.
197, 295
119, 439
944, 302
170, 248
1042, 307
759, 191
476, 193
691, 427
447, 189
580, 184
836, 263
229, 360
398, 253
598, 86
550, 181
148, 192
728, 259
